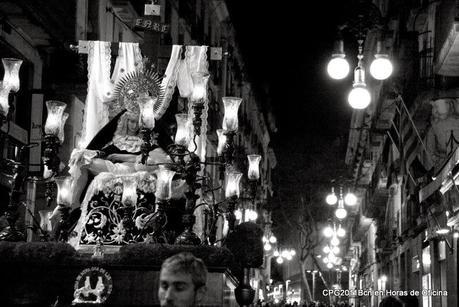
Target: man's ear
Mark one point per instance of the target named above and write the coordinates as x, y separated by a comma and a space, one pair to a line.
200, 294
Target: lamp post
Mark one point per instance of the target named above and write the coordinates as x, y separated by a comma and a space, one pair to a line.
365, 17
349, 199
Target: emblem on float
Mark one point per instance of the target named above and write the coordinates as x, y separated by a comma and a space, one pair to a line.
92, 286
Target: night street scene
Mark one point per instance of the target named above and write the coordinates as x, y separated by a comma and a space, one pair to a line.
229, 153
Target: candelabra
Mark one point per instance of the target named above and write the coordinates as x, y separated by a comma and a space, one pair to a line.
365, 17
187, 165
13, 169
17, 169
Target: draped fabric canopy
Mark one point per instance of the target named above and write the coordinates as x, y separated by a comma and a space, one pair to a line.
101, 85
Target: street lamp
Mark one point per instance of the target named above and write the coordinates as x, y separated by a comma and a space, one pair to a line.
381, 67
349, 199
286, 254
364, 18
331, 198
330, 231
340, 212
359, 97
334, 241
267, 247
338, 67
341, 232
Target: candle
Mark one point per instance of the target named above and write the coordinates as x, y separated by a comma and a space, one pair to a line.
11, 77
164, 183
254, 167
199, 92
147, 118
64, 190
55, 116
129, 196
230, 120
182, 136
232, 184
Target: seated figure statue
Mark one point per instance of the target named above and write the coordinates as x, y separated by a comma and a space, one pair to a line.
111, 165
121, 155
116, 150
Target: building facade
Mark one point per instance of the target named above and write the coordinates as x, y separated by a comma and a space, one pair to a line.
403, 237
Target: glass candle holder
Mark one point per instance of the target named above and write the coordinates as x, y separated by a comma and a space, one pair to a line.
64, 190
11, 76
199, 93
232, 184
147, 118
129, 196
55, 115
4, 104
254, 167
183, 135
221, 141
164, 183
65, 116
230, 120
45, 222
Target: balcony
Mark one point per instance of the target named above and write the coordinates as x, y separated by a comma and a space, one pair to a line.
447, 39
377, 195
124, 10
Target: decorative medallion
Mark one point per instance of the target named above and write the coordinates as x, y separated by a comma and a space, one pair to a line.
135, 84
92, 286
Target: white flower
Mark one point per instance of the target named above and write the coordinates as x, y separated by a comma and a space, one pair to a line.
118, 233
91, 238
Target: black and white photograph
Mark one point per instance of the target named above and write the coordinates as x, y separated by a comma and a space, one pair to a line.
224, 153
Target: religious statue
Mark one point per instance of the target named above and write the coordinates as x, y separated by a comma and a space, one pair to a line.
121, 155
116, 174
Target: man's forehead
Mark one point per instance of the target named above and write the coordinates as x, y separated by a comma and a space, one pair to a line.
175, 276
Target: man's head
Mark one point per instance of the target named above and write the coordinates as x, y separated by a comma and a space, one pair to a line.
182, 280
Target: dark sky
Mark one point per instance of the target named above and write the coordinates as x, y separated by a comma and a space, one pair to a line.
286, 49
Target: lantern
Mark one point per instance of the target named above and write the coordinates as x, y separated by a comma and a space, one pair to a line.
147, 118
164, 183
11, 77
199, 92
182, 136
254, 167
55, 117
230, 120
232, 184
64, 190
